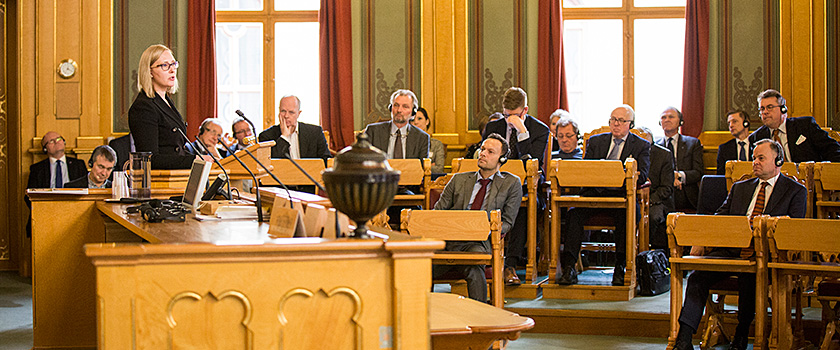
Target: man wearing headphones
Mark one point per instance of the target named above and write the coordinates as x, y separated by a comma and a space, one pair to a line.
486, 189
567, 135
295, 139
688, 159
738, 148
397, 137
769, 193
209, 134
58, 168
101, 164
801, 138
241, 129
618, 144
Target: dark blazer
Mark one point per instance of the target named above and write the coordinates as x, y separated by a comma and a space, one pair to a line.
816, 145
576, 153
729, 151
195, 148
534, 145
661, 177
504, 193
39, 173
416, 142
598, 147
82, 182
155, 125
788, 198
311, 140
689, 160
121, 145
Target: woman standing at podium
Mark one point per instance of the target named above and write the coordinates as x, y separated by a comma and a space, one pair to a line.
153, 120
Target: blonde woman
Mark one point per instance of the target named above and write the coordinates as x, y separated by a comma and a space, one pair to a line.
153, 120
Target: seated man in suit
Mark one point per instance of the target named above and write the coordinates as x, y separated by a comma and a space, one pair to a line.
661, 176
397, 137
101, 164
528, 139
242, 129
777, 195
209, 134
295, 139
688, 159
552, 125
738, 148
58, 168
801, 138
567, 135
487, 189
618, 144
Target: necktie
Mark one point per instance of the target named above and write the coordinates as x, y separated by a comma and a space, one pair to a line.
479, 197
398, 151
779, 140
614, 153
59, 180
671, 147
742, 151
757, 210
513, 141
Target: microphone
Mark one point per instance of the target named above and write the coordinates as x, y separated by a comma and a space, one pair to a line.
250, 141
215, 188
320, 187
256, 184
210, 154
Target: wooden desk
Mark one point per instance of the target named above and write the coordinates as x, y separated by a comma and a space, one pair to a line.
475, 326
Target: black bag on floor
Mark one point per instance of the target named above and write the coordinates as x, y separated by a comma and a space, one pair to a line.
653, 272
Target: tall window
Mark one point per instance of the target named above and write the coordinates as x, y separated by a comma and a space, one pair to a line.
623, 51
266, 49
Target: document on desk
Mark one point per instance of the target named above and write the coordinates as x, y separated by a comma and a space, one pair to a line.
236, 212
75, 191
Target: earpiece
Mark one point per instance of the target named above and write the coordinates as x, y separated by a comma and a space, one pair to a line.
780, 159
746, 123
90, 161
44, 149
783, 109
413, 110
633, 123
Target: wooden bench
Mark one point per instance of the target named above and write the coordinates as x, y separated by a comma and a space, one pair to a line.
827, 190
291, 175
462, 225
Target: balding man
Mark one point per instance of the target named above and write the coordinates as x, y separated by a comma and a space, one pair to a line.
688, 159
58, 168
295, 139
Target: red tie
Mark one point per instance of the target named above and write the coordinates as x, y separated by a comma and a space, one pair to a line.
757, 210
479, 197
779, 140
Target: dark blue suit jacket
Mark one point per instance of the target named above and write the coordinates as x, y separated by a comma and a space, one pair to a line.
311, 140
690, 161
788, 198
729, 151
39, 173
816, 145
598, 147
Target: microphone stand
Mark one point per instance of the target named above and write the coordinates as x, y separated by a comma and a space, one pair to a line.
256, 185
288, 193
211, 156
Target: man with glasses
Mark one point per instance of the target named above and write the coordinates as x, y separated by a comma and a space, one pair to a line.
528, 139
738, 148
295, 139
209, 134
618, 144
101, 162
567, 134
688, 159
242, 129
802, 139
58, 168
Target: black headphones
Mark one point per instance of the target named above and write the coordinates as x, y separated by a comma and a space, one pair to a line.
783, 109
660, 121
413, 110
746, 123
633, 123
780, 159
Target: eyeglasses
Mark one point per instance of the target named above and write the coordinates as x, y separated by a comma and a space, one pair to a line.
768, 107
242, 132
54, 141
508, 115
167, 66
619, 121
567, 136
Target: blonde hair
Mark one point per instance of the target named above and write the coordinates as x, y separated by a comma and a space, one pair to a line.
144, 70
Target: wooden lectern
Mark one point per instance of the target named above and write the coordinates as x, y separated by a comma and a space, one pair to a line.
177, 178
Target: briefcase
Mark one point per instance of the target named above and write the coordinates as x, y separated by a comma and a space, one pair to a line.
653, 271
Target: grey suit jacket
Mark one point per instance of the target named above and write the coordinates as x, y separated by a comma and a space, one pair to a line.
416, 142
504, 193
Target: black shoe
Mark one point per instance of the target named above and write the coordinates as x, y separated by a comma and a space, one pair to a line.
683, 345
569, 277
618, 276
738, 343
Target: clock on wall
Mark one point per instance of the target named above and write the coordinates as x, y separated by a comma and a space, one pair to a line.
67, 68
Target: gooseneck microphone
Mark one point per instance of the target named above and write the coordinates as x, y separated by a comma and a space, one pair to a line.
215, 161
320, 187
256, 184
248, 142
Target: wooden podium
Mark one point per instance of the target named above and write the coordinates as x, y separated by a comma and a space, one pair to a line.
177, 178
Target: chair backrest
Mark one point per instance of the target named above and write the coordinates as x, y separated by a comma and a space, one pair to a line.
712, 194
435, 189
412, 171
604, 129
515, 167
592, 173
291, 175
450, 225
811, 235
827, 189
737, 170
709, 231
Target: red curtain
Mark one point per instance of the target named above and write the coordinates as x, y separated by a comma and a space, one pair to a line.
696, 60
336, 72
201, 70
551, 83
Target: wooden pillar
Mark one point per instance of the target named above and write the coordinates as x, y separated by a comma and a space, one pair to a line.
803, 70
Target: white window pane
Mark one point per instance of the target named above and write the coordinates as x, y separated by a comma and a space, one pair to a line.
593, 53
658, 3
297, 5
591, 3
296, 63
658, 55
239, 5
239, 71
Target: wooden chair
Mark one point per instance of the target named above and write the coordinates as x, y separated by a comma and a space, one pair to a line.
593, 173
413, 172
462, 225
827, 190
715, 231
791, 243
737, 170
528, 174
